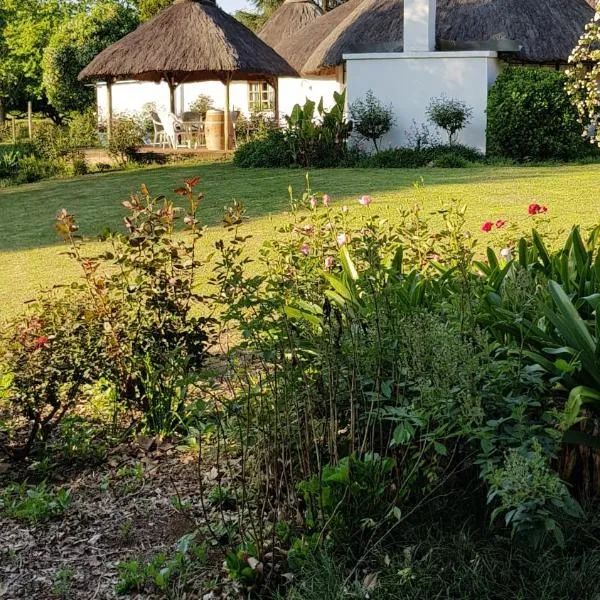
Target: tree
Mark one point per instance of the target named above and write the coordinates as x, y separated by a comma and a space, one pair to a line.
149, 8
449, 114
583, 76
25, 28
255, 19
74, 44
371, 118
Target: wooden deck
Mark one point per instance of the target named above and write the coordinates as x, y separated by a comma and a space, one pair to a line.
99, 155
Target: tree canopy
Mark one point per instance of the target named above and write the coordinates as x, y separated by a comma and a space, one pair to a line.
74, 45
263, 9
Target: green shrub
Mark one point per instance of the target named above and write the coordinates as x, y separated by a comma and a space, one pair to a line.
314, 137
126, 138
31, 169
50, 354
371, 119
202, 104
450, 161
52, 142
530, 117
449, 114
83, 129
267, 151
455, 156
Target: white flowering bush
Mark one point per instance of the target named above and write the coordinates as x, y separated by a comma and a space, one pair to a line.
583, 78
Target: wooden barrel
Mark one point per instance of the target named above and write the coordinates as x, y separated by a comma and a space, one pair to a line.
214, 130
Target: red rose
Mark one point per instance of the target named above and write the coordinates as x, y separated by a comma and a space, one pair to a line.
40, 342
500, 224
487, 226
536, 209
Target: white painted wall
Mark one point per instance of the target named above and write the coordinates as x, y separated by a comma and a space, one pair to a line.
409, 80
129, 97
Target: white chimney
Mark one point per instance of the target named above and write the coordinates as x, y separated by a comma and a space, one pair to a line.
419, 25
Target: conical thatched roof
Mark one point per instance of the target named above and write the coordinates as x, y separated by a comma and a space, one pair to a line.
192, 40
546, 30
289, 18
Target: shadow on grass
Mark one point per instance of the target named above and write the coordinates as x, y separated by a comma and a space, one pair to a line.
27, 212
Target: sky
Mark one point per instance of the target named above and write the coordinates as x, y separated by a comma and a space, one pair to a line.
232, 5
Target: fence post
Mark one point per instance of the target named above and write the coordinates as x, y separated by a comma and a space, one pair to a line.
30, 119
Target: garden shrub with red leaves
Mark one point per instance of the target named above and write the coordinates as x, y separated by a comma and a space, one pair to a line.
47, 356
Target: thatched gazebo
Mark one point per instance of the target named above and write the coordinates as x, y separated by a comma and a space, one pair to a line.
289, 18
189, 41
523, 31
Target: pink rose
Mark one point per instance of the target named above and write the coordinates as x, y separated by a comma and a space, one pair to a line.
342, 239
329, 262
305, 249
364, 200
326, 200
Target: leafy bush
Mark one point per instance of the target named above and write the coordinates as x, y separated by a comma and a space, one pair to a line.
202, 104
413, 158
371, 119
126, 138
530, 117
268, 150
451, 115
154, 344
49, 354
314, 137
52, 142
83, 129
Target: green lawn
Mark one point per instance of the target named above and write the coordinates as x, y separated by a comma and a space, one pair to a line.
31, 255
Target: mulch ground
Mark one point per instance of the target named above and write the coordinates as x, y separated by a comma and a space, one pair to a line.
115, 515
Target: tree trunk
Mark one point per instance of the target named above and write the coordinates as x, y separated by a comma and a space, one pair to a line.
2, 112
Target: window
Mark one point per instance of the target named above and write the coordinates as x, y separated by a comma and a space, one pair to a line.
261, 97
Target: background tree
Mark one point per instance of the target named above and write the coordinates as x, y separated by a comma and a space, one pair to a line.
371, 118
583, 76
74, 45
449, 114
26, 27
255, 19
148, 8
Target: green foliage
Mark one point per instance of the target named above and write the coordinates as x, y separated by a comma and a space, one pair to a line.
154, 344
149, 8
35, 504
413, 158
314, 137
267, 150
322, 143
170, 574
531, 495
126, 138
530, 117
350, 500
371, 119
50, 354
74, 44
451, 115
83, 129
202, 104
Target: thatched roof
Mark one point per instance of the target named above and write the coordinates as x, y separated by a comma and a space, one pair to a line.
191, 40
289, 18
545, 30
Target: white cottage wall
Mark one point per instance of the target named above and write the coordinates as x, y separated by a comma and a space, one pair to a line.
129, 97
409, 80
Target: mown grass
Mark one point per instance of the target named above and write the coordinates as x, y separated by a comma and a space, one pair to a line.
32, 256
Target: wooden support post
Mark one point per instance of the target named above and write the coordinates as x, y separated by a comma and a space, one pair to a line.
30, 119
109, 123
227, 116
14, 130
172, 86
